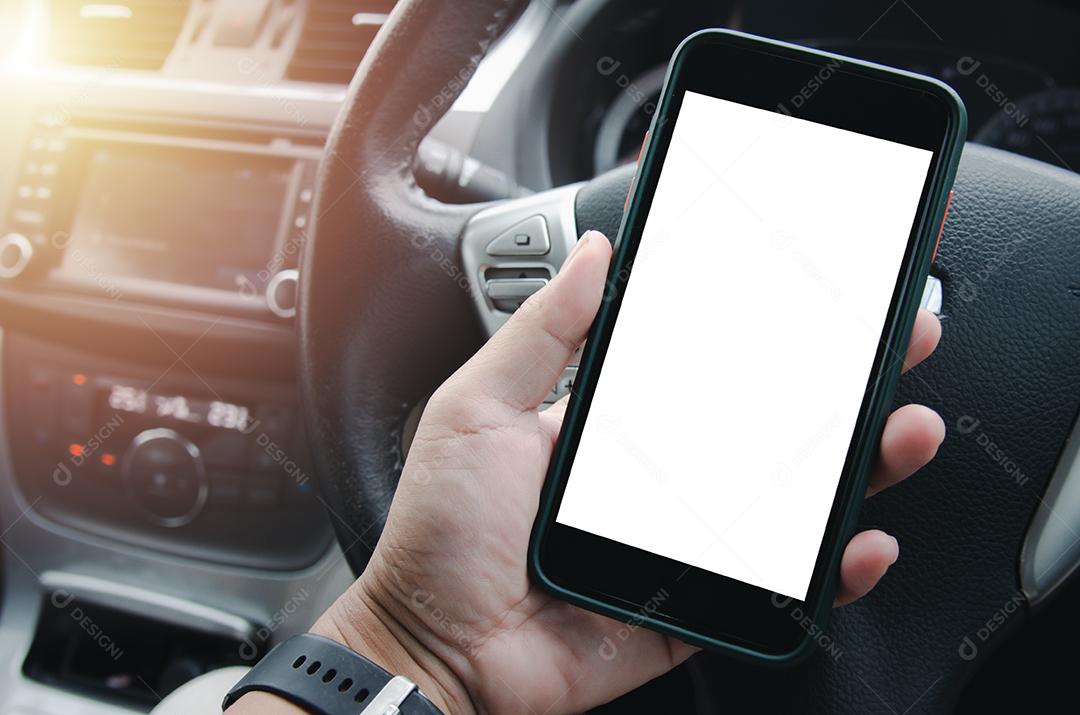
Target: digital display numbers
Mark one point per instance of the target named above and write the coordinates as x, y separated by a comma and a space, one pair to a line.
214, 413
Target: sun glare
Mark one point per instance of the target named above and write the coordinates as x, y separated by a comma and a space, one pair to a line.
29, 39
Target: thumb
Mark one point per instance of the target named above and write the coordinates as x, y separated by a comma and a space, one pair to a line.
527, 355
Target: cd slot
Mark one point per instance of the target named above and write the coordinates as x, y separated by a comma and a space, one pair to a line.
280, 147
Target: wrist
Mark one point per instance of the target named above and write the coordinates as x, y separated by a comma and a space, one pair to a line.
360, 621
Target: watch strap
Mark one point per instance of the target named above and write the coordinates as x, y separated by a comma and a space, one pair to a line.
324, 677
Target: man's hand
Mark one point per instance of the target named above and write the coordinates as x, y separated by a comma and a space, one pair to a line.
446, 599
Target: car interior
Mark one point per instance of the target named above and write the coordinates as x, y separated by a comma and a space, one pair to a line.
243, 241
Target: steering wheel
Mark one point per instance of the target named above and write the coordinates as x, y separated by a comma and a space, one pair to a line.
393, 282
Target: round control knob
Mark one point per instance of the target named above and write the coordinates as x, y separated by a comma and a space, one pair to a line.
166, 476
15, 254
281, 293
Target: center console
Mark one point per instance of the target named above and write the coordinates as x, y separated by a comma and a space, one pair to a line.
156, 480
148, 271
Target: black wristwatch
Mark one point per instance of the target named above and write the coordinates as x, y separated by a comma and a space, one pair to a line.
324, 677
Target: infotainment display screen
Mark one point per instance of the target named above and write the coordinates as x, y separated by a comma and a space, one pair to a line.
199, 218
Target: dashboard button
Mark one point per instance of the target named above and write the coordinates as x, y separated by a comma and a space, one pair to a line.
108, 466
28, 217
15, 254
76, 409
261, 493
226, 490
525, 238
225, 449
281, 293
45, 382
166, 476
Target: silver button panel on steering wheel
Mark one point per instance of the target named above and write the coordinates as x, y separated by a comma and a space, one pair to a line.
511, 250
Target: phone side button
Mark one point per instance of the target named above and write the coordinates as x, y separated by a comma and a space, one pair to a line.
633, 178
941, 228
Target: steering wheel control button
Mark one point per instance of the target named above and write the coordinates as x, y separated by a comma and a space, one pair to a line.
15, 254
281, 293
525, 238
166, 476
556, 211
509, 293
563, 387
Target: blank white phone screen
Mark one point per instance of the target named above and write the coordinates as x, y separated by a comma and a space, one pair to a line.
725, 406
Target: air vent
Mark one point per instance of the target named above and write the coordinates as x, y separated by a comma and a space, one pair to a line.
133, 34
336, 34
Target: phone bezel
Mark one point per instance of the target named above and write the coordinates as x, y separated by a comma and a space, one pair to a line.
702, 607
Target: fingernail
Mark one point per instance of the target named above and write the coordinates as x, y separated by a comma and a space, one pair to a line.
577, 247
896, 549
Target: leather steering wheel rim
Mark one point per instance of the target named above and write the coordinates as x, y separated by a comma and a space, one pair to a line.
386, 313
405, 303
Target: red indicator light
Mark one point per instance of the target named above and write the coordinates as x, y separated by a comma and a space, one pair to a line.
78, 379
75, 449
108, 459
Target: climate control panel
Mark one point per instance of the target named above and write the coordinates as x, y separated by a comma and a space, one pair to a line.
170, 459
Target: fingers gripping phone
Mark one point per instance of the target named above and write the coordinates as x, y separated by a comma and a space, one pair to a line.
765, 280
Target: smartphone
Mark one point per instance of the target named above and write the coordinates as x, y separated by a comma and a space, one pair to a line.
730, 397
